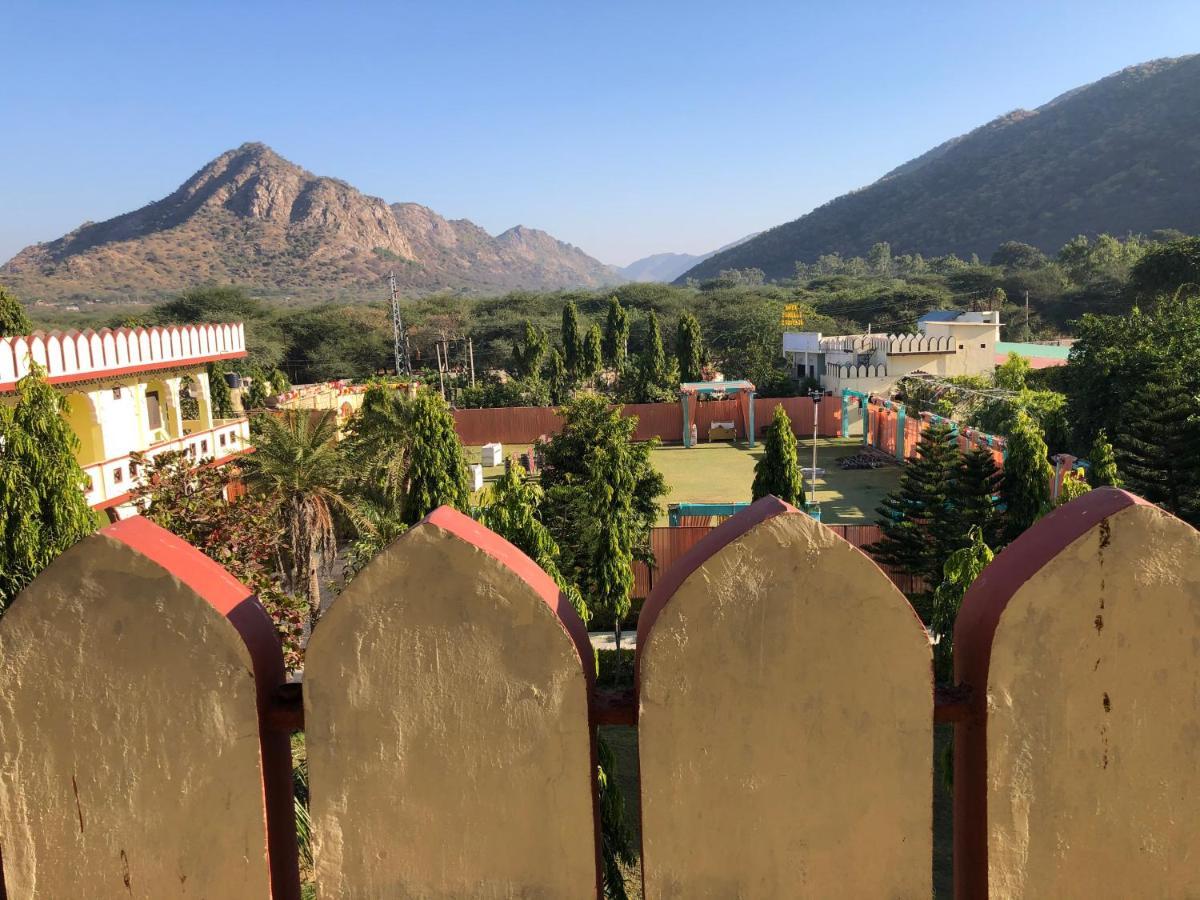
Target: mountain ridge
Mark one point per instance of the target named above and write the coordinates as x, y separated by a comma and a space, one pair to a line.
253, 217
1120, 154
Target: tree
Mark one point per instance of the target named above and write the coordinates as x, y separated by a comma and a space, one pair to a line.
437, 472
1015, 255
777, 471
879, 259
616, 335
962, 567
977, 484
529, 354
1163, 270
218, 391
297, 463
689, 348
1103, 469
241, 534
266, 342
1013, 373
572, 340
655, 381
592, 357
917, 520
43, 504
1157, 445
557, 378
13, 320
1025, 483
510, 507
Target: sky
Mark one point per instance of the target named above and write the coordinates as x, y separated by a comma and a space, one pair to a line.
623, 128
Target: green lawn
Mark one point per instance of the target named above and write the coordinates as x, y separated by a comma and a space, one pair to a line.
723, 472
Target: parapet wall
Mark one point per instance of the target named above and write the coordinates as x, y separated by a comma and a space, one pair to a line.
784, 703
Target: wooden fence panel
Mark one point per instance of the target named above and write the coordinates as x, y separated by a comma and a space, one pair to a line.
656, 420
1077, 774
509, 425
134, 678
446, 708
785, 725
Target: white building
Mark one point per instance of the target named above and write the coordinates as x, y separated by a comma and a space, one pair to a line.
124, 395
948, 342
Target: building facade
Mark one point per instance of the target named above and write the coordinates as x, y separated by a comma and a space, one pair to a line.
126, 392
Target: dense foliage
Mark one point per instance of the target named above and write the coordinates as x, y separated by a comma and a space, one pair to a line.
13, 320
777, 471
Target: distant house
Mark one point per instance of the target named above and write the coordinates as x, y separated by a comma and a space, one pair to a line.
125, 394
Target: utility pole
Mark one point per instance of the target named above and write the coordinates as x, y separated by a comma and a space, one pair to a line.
471, 351
399, 335
441, 380
816, 397
1027, 315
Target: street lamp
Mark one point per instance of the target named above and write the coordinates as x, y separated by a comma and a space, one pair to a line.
816, 397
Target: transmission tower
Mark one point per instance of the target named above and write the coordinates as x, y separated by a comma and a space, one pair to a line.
399, 335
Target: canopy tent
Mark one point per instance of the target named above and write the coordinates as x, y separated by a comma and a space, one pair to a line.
690, 393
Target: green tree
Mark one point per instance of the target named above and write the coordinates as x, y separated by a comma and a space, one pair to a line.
297, 462
530, 352
961, 569
1103, 469
879, 260
1157, 447
557, 378
510, 506
689, 348
917, 520
43, 507
1025, 482
572, 340
266, 343
976, 488
218, 391
616, 335
243, 534
1163, 270
591, 359
1013, 373
655, 380
13, 320
437, 473
777, 471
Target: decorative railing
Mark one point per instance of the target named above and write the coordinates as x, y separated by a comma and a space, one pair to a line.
110, 481
899, 344
83, 355
850, 372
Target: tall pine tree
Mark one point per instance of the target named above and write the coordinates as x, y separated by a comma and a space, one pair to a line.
572, 340
689, 348
592, 357
777, 471
437, 470
43, 507
530, 352
918, 520
656, 381
1025, 483
616, 335
1158, 448
976, 488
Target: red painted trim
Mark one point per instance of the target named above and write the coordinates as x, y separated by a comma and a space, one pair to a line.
102, 374
974, 632
113, 501
467, 529
241, 609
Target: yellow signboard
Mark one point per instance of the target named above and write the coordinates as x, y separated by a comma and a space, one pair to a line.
792, 317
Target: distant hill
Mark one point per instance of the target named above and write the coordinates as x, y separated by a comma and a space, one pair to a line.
254, 218
1120, 155
667, 267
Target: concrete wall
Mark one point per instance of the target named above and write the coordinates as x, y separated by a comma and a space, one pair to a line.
784, 722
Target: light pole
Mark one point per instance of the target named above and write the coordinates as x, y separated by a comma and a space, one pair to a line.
816, 397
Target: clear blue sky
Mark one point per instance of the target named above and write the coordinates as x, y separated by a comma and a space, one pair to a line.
624, 128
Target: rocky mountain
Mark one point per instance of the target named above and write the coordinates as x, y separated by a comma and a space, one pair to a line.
1119, 155
666, 267
254, 218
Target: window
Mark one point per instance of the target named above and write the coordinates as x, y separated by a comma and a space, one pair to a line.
118, 475
983, 346
962, 347
132, 469
203, 448
153, 412
191, 450
222, 439
116, 393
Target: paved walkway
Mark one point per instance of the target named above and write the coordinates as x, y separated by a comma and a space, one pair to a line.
603, 640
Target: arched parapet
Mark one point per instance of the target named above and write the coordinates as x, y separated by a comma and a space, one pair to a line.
1077, 773
785, 719
446, 718
176, 342
134, 677
8, 362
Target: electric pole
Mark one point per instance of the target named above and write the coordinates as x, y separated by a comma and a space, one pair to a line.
471, 351
399, 335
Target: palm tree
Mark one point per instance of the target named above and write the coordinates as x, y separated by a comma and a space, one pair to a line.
296, 459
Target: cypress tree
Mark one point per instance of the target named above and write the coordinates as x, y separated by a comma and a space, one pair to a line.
1025, 484
556, 375
918, 519
977, 484
656, 381
1103, 470
778, 469
616, 335
689, 348
529, 353
13, 320
592, 357
43, 506
572, 340
1157, 446
437, 471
